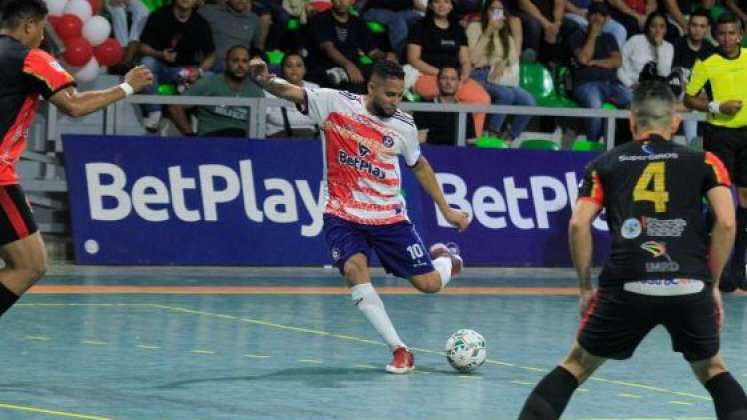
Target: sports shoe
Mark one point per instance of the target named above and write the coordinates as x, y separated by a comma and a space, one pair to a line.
451, 249
402, 362
151, 121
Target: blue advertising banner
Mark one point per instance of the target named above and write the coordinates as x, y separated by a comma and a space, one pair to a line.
148, 200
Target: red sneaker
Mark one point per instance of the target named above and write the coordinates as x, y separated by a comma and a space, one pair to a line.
402, 362
451, 249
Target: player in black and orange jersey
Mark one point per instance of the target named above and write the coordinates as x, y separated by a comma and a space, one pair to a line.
663, 267
723, 76
26, 72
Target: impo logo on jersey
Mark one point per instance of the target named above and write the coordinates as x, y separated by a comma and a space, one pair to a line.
658, 250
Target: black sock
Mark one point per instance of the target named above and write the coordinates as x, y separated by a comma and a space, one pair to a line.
728, 397
7, 299
740, 243
549, 398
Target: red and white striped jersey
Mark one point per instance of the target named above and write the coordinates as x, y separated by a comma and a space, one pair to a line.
361, 164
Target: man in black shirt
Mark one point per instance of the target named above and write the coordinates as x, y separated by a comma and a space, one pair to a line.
440, 127
663, 267
694, 45
177, 46
594, 63
397, 15
339, 46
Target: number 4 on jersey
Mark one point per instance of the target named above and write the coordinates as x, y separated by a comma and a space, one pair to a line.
654, 172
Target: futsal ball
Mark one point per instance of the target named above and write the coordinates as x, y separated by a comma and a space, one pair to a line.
466, 350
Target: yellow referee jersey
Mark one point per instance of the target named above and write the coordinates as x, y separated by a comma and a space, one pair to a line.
727, 78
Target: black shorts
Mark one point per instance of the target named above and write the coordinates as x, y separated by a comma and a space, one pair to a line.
16, 220
618, 320
729, 145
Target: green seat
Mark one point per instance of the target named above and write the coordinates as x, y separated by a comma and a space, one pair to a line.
365, 60
587, 146
557, 102
293, 24
376, 27
489, 142
275, 57
608, 105
539, 144
166, 89
536, 80
412, 96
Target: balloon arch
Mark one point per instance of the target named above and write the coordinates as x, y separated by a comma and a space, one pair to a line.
87, 37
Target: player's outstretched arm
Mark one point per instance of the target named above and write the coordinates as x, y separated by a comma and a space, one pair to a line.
273, 84
723, 231
581, 244
426, 177
78, 104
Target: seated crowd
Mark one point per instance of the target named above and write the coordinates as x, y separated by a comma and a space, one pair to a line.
453, 51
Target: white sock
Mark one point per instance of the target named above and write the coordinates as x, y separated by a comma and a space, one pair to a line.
443, 266
369, 302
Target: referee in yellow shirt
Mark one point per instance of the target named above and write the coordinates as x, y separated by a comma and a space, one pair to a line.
724, 77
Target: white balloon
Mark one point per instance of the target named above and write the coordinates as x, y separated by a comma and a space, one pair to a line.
88, 72
80, 8
56, 7
96, 30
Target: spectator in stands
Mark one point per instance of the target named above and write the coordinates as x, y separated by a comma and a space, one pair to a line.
220, 120
545, 28
632, 14
397, 15
273, 19
578, 11
440, 127
232, 23
596, 58
439, 41
128, 35
288, 121
495, 56
693, 46
739, 8
648, 55
177, 46
339, 48
677, 12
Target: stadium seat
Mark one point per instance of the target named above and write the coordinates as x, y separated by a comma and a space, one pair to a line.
275, 57
537, 80
587, 146
166, 89
294, 24
489, 142
539, 144
376, 27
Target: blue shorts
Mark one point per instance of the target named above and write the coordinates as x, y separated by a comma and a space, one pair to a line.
398, 246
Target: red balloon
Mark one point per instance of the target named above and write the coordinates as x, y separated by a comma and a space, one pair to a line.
95, 6
77, 51
68, 26
108, 53
53, 21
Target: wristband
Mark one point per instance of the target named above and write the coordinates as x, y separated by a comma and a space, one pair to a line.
127, 88
714, 107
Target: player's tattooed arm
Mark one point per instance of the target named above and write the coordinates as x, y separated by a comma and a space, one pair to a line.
424, 173
273, 84
580, 240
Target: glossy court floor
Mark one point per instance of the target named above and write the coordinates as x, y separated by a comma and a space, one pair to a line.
209, 343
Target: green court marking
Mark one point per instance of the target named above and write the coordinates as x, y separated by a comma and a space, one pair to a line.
145, 347
315, 361
321, 333
680, 403
522, 383
37, 410
37, 337
367, 367
93, 342
469, 376
629, 396
198, 351
256, 356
